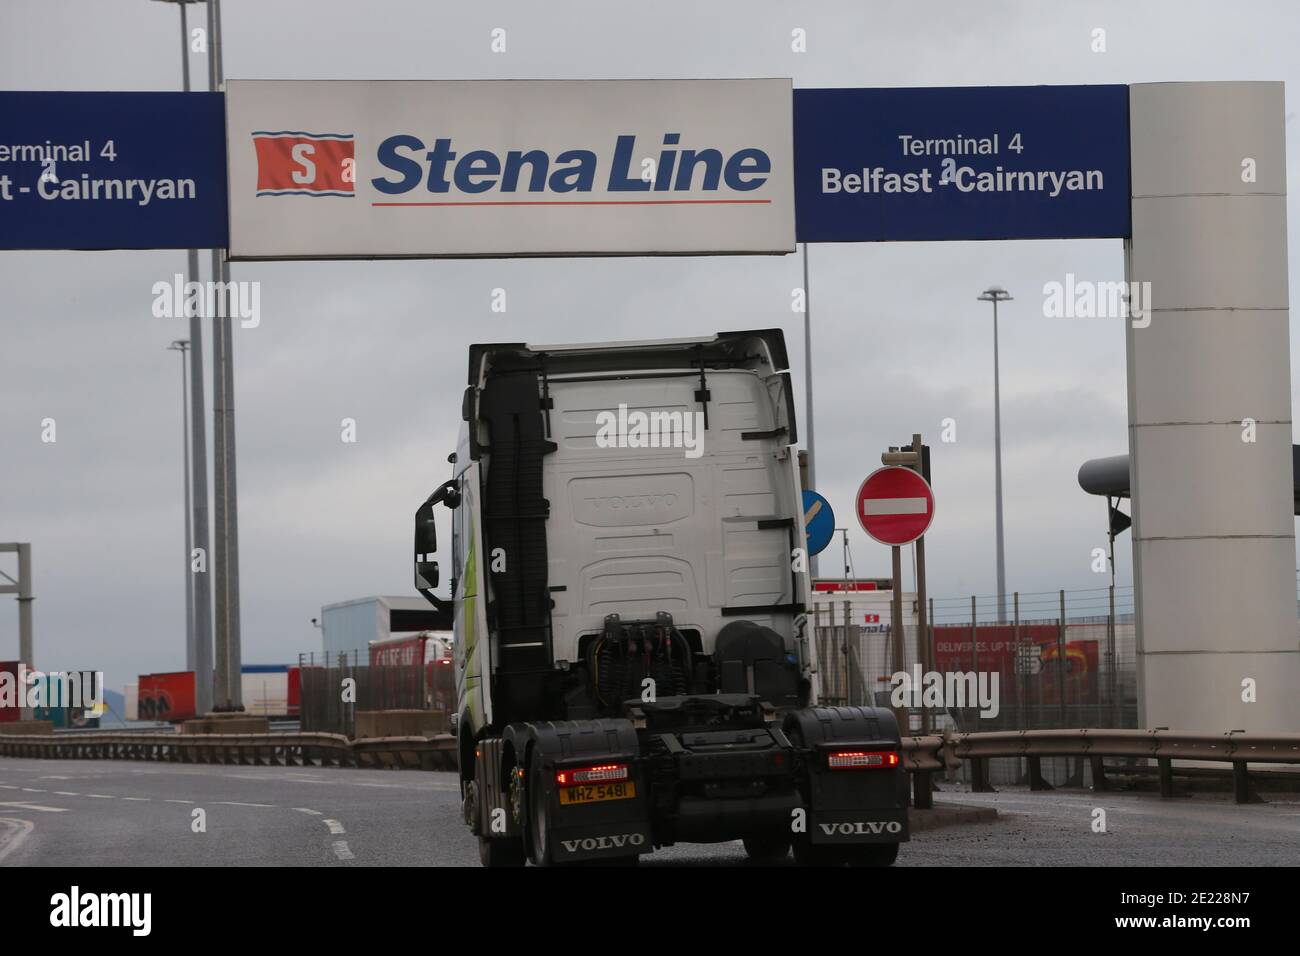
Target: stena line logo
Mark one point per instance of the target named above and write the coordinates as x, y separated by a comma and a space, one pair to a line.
447, 173
294, 163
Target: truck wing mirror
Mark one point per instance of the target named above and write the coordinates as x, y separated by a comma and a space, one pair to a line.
426, 542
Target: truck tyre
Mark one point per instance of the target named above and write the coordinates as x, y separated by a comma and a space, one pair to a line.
806, 853
539, 837
500, 852
768, 848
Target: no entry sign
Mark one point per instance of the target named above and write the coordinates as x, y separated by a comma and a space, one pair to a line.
895, 505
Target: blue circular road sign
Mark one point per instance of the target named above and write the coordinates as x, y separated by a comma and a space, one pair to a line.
818, 521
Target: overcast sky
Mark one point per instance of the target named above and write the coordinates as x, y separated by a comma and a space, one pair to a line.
899, 341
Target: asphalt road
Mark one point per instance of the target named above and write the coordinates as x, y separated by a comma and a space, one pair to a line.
120, 813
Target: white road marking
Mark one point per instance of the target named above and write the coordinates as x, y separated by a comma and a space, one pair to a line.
314, 813
141, 799
101, 796
12, 834
66, 793
34, 790
236, 803
335, 827
179, 801
35, 806
342, 852
6, 786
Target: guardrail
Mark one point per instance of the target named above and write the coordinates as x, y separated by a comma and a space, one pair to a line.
925, 755
289, 750
922, 756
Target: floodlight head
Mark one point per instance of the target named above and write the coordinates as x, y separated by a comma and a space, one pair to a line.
995, 293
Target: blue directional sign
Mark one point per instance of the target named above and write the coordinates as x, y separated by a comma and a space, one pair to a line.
819, 521
112, 171
1018, 162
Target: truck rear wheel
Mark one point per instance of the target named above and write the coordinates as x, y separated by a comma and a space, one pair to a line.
539, 817
500, 852
767, 848
806, 853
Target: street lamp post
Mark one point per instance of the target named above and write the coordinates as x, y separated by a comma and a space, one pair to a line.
200, 586
227, 689
996, 294
183, 346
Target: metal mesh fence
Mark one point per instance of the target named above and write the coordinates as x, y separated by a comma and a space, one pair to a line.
329, 705
1041, 665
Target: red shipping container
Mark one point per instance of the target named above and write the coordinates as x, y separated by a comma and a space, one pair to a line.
167, 696
398, 651
8, 714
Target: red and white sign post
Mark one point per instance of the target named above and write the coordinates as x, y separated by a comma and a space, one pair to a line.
895, 506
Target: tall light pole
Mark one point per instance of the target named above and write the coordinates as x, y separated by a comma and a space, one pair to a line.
183, 346
200, 584
996, 294
227, 684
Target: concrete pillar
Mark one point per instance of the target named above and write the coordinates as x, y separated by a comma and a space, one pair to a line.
1213, 525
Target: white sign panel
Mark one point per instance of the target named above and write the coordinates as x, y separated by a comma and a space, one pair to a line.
344, 169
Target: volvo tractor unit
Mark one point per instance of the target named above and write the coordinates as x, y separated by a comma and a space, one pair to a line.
634, 665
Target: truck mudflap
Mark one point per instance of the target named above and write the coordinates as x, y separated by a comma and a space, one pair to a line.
854, 784
587, 798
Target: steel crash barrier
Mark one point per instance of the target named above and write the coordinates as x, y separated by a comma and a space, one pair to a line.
928, 754
921, 756
301, 749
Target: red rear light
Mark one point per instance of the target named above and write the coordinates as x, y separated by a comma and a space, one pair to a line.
583, 776
862, 760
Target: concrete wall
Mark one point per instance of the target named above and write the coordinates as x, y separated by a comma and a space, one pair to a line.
1213, 528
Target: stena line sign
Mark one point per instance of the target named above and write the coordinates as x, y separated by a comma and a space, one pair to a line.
387, 169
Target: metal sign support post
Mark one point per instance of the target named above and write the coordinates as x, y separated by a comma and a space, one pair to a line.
914, 458
896, 629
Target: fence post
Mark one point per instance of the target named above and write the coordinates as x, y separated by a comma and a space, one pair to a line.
1021, 677
1061, 660
1098, 772
922, 796
974, 648
1240, 782
844, 651
1019, 660
1166, 776
1036, 781
817, 647
927, 638
1116, 711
